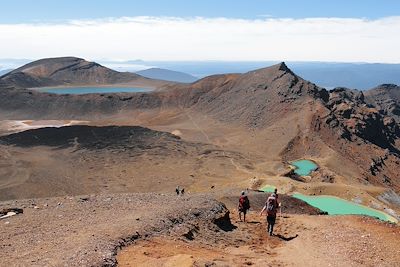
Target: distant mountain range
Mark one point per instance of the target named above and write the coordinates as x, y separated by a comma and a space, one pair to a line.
360, 76
167, 75
329, 75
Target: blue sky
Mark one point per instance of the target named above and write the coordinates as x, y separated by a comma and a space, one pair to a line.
185, 30
25, 11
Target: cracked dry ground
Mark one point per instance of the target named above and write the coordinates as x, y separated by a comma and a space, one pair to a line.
300, 240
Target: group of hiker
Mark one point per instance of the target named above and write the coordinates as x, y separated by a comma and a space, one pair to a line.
271, 207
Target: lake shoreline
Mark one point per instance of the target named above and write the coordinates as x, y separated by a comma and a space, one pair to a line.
121, 85
79, 90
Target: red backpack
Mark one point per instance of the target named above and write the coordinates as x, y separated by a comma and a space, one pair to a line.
244, 202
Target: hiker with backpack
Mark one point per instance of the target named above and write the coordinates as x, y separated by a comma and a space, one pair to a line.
244, 206
271, 207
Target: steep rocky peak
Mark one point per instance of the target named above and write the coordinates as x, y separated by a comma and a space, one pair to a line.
283, 67
281, 81
273, 71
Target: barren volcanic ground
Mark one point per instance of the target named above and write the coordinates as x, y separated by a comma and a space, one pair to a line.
67, 159
88, 159
170, 230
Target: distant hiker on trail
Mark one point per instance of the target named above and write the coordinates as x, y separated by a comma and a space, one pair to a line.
244, 206
177, 190
271, 207
183, 191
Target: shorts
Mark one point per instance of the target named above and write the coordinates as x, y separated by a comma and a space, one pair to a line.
271, 219
242, 210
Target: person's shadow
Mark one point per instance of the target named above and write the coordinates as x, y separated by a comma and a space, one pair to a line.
253, 222
286, 238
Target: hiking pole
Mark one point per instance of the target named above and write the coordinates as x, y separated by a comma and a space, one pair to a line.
280, 209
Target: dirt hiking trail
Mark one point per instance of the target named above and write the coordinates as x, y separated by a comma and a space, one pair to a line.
299, 240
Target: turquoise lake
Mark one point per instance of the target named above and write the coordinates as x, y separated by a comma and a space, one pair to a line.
268, 188
338, 206
92, 90
304, 167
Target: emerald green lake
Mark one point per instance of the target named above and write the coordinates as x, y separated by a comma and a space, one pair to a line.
268, 188
304, 167
338, 206
93, 90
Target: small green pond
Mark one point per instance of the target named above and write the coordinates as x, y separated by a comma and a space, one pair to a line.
338, 206
304, 167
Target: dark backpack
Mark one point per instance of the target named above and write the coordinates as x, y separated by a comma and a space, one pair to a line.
244, 202
271, 205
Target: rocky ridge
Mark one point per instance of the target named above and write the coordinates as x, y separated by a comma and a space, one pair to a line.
386, 98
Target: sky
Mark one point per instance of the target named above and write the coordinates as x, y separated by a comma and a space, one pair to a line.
284, 30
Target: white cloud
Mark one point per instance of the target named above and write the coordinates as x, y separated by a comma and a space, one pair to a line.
164, 38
